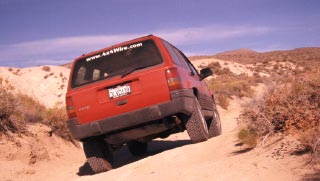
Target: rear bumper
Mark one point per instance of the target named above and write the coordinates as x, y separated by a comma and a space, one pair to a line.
181, 102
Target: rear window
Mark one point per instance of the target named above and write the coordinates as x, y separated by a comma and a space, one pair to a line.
116, 61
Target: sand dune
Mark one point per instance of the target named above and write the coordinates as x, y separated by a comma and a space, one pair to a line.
48, 85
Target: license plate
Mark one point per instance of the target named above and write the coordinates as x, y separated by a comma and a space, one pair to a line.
119, 91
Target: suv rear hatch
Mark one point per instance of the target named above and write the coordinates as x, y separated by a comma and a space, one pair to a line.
116, 81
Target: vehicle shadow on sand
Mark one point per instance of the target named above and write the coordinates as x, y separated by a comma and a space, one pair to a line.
123, 157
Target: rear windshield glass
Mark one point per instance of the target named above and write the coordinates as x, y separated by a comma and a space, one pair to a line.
116, 61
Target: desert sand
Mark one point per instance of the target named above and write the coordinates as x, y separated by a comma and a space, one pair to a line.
47, 157
45, 85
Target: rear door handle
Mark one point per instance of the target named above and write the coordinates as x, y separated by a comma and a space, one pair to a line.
121, 102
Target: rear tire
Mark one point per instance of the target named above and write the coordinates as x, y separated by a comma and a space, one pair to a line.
137, 148
98, 154
215, 125
197, 126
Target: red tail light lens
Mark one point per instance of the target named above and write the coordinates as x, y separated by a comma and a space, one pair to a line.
173, 79
70, 108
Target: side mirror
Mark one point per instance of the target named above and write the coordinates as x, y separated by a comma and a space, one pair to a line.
204, 73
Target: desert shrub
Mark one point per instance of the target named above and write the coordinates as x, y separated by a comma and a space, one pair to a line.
8, 103
17, 72
248, 136
223, 101
255, 120
291, 107
310, 139
29, 109
46, 68
215, 67
227, 84
256, 78
48, 75
56, 118
296, 103
218, 70
224, 71
61, 86
19, 110
232, 85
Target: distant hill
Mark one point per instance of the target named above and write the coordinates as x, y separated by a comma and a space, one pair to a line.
250, 56
67, 65
241, 51
247, 56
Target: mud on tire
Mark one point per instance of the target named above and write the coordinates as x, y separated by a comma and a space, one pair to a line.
196, 126
98, 154
137, 148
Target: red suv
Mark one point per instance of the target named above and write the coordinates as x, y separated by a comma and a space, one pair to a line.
134, 92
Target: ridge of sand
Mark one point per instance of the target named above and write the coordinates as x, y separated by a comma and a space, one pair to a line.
49, 87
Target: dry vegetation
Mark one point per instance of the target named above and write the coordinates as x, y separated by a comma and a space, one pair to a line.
291, 106
18, 110
227, 84
46, 68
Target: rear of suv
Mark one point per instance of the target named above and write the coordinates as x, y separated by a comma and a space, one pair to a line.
134, 92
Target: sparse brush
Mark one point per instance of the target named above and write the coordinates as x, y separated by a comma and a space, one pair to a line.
19, 110
46, 68
56, 118
17, 72
223, 101
215, 67
310, 139
29, 109
228, 84
248, 136
8, 104
232, 85
292, 107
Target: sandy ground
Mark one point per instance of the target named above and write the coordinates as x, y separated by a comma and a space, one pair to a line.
234, 67
174, 158
220, 158
42, 156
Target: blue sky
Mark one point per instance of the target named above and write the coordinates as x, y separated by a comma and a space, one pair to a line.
42, 32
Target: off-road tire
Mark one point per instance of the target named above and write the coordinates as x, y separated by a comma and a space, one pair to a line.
98, 154
137, 148
215, 124
196, 125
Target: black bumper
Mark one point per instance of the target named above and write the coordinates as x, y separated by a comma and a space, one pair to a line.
181, 102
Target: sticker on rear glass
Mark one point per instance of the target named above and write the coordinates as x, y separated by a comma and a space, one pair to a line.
114, 50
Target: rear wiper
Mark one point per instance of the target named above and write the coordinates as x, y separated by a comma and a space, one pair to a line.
131, 70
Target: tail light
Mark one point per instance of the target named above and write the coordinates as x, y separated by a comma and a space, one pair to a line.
70, 108
173, 79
